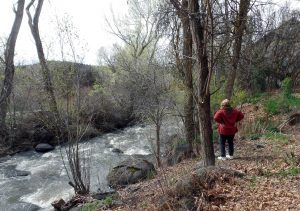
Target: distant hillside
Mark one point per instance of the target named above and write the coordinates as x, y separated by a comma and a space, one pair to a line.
87, 74
274, 57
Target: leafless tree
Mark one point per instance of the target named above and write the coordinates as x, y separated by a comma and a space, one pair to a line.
139, 29
8, 61
47, 83
138, 64
198, 19
197, 24
184, 64
239, 28
76, 160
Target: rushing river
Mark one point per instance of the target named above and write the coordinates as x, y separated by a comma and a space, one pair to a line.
48, 180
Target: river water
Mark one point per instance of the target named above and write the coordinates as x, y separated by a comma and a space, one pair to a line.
48, 180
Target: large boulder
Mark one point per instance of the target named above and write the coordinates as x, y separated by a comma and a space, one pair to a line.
130, 171
44, 147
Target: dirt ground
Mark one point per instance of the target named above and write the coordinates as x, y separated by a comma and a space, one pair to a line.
272, 182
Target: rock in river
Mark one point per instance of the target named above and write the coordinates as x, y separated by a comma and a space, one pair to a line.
44, 147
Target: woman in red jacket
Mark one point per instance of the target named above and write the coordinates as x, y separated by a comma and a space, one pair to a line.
227, 117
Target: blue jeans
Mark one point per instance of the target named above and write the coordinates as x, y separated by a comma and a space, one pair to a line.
229, 139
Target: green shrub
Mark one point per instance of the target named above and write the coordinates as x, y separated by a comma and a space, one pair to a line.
239, 98
108, 201
253, 182
272, 107
254, 99
93, 206
254, 136
276, 105
216, 100
253, 130
290, 172
286, 87
276, 137
293, 102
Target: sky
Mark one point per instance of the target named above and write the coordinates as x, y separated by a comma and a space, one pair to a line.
88, 18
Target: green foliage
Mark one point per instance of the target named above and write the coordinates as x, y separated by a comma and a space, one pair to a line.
283, 102
108, 201
276, 137
95, 205
216, 100
239, 98
92, 206
257, 98
271, 106
253, 130
215, 136
294, 171
97, 89
286, 87
276, 104
254, 136
293, 102
263, 127
253, 182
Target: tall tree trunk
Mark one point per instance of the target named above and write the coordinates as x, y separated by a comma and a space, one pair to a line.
47, 83
158, 160
188, 78
203, 101
239, 28
9, 71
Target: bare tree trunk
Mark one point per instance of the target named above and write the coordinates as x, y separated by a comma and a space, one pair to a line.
9, 54
158, 144
239, 28
203, 103
188, 78
48, 87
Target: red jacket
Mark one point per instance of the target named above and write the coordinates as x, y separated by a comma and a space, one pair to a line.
227, 121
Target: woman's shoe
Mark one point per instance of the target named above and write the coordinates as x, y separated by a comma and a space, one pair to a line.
221, 158
229, 157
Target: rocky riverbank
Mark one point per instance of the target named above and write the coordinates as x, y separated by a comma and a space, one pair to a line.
37, 128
